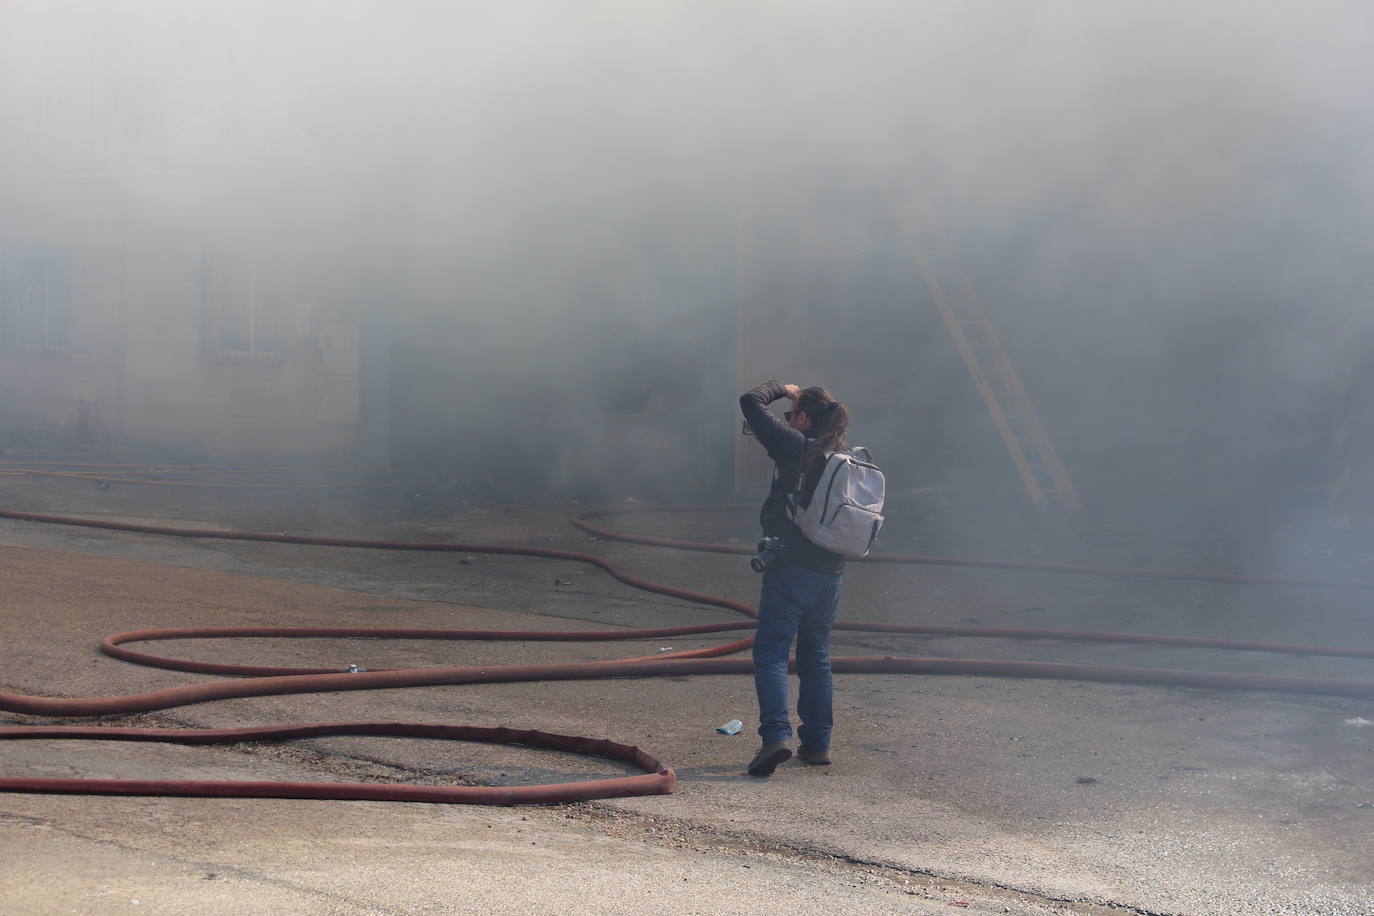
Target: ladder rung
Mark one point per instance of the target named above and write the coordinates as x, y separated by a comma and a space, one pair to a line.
990, 367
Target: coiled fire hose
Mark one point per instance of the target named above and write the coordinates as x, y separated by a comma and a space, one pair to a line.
657, 778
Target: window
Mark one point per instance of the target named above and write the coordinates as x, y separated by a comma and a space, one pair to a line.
35, 291
240, 310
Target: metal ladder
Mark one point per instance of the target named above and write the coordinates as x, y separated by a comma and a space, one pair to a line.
1011, 409
1352, 483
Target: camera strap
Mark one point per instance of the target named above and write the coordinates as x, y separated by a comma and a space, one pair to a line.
799, 479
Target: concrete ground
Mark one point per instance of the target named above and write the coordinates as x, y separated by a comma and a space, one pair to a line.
947, 794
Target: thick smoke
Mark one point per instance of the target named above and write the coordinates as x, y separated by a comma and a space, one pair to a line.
579, 229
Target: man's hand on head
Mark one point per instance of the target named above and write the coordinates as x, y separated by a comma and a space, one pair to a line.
793, 392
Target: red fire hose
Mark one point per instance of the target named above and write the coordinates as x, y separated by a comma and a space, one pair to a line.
582, 522
657, 778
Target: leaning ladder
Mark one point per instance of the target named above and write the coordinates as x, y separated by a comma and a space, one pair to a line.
1011, 409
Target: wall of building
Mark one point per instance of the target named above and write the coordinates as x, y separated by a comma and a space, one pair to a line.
136, 371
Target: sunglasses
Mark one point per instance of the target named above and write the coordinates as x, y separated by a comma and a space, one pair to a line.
787, 414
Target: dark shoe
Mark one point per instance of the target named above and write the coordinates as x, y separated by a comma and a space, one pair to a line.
768, 758
813, 758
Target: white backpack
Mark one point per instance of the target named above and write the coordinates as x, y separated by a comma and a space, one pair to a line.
846, 509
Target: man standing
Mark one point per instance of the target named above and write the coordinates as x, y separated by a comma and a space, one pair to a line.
801, 581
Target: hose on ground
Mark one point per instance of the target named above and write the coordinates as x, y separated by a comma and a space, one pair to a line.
265, 681
583, 521
657, 779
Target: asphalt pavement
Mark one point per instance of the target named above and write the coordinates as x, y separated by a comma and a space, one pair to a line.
947, 794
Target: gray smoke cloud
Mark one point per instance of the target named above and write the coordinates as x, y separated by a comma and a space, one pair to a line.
591, 223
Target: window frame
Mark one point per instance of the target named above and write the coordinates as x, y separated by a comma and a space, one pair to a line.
19, 332
221, 290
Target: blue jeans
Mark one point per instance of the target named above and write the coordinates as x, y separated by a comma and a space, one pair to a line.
795, 602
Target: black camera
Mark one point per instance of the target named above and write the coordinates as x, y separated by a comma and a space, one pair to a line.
770, 550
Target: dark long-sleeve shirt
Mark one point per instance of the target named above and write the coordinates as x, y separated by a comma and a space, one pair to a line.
787, 447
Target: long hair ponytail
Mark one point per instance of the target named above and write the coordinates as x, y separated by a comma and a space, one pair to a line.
829, 421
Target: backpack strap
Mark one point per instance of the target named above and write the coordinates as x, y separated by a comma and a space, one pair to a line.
799, 481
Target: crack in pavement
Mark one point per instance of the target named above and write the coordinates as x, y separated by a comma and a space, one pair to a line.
677, 833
